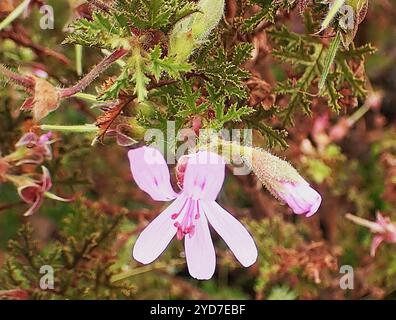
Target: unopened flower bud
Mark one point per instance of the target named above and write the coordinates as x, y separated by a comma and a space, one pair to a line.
283, 181
188, 33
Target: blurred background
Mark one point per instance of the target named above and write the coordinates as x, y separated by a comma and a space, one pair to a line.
349, 157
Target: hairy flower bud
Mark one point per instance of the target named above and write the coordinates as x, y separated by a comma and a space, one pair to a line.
283, 181
45, 99
188, 33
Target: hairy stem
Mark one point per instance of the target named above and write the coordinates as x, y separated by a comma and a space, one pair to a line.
93, 74
26, 82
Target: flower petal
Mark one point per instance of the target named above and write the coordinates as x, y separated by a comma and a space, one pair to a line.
301, 198
200, 252
36, 205
45, 138
46, 179
377, 240
233, 233
151, 173
29, 193
27, 139
204, 175
155, 238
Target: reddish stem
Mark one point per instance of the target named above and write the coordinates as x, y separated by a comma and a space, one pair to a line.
26, 82
93, 74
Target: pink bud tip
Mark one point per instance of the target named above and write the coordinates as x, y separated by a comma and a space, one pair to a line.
301, 198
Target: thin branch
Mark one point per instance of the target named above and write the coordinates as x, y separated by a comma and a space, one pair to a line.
93, 74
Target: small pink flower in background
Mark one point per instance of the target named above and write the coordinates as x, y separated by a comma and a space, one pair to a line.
33, 191
121, 134
38, 147
300, 197
188, 216
40, 73
384, 230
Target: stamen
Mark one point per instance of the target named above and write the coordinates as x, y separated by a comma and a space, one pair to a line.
187, 226
197, 216
175, 215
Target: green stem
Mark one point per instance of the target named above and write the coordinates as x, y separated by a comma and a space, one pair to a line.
358, 114
85, 128
86, 96
141, 270
14, 14
79, 53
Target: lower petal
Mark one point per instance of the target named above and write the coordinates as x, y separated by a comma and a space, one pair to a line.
36, 205
200, 253
233, 233
155, 238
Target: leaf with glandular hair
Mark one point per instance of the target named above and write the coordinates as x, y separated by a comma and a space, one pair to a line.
264, 15
330, 91
225, 75
166, 65
243, 52
137, 67
155, 14
357, 85
357, 52
224, 113
102, 31
315, 63
113, 90
268, 11
273, 136
286, 55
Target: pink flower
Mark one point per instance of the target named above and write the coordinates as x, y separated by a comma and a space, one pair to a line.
300, 197
188, 216
386, 232
39, 147
383, 228
34, 191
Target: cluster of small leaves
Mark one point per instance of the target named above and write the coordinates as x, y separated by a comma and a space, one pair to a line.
269, 9
274, 137
80, 259
103, 31
310, 58
112, 29
155, 14
223, 69
212, 84
213, 90
142, 31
